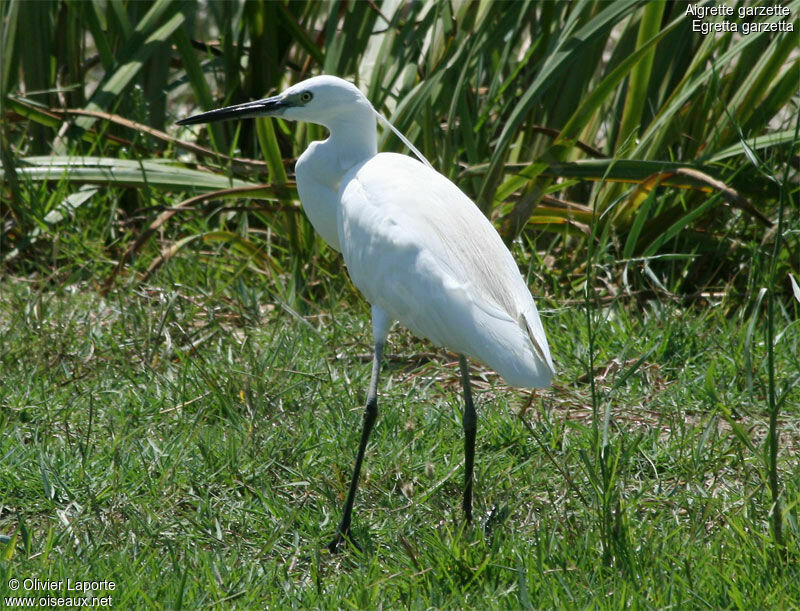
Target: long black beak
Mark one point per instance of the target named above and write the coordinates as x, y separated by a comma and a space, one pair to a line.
260, 108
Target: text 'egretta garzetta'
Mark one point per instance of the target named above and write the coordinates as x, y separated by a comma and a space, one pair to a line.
417, 248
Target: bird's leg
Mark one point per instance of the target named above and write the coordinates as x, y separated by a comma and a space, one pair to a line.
470, 423
370, 415
380, 326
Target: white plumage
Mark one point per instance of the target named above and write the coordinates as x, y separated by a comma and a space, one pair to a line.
416, 247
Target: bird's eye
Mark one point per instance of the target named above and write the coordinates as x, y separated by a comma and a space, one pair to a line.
306, 96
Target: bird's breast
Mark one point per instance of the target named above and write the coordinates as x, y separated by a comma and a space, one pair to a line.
318, 188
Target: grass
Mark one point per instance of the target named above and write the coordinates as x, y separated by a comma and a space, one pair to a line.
184, 363
194, 447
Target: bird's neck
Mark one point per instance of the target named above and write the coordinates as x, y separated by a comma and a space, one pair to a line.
354, 137
320, 169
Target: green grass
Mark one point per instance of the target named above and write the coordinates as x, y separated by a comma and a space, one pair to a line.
194, 446
184, 363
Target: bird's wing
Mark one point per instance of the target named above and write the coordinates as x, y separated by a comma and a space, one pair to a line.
416, 246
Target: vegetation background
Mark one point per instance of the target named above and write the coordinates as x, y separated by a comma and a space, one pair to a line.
183, 360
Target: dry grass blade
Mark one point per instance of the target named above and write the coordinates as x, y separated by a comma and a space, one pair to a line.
156, 133
730, 195
168, 214
556, 135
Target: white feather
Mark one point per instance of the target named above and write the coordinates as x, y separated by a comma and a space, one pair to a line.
417, 247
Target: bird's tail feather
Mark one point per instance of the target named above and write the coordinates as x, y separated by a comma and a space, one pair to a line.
539, 340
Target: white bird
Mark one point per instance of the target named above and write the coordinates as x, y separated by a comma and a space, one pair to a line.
418, 249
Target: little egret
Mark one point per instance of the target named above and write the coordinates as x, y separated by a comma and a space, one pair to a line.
416, 247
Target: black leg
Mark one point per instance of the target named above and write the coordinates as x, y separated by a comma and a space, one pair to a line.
370, 415
470, 422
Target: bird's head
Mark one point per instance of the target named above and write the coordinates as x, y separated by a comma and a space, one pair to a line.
325, 100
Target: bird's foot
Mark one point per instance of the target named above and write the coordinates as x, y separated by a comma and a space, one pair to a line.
342, 535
